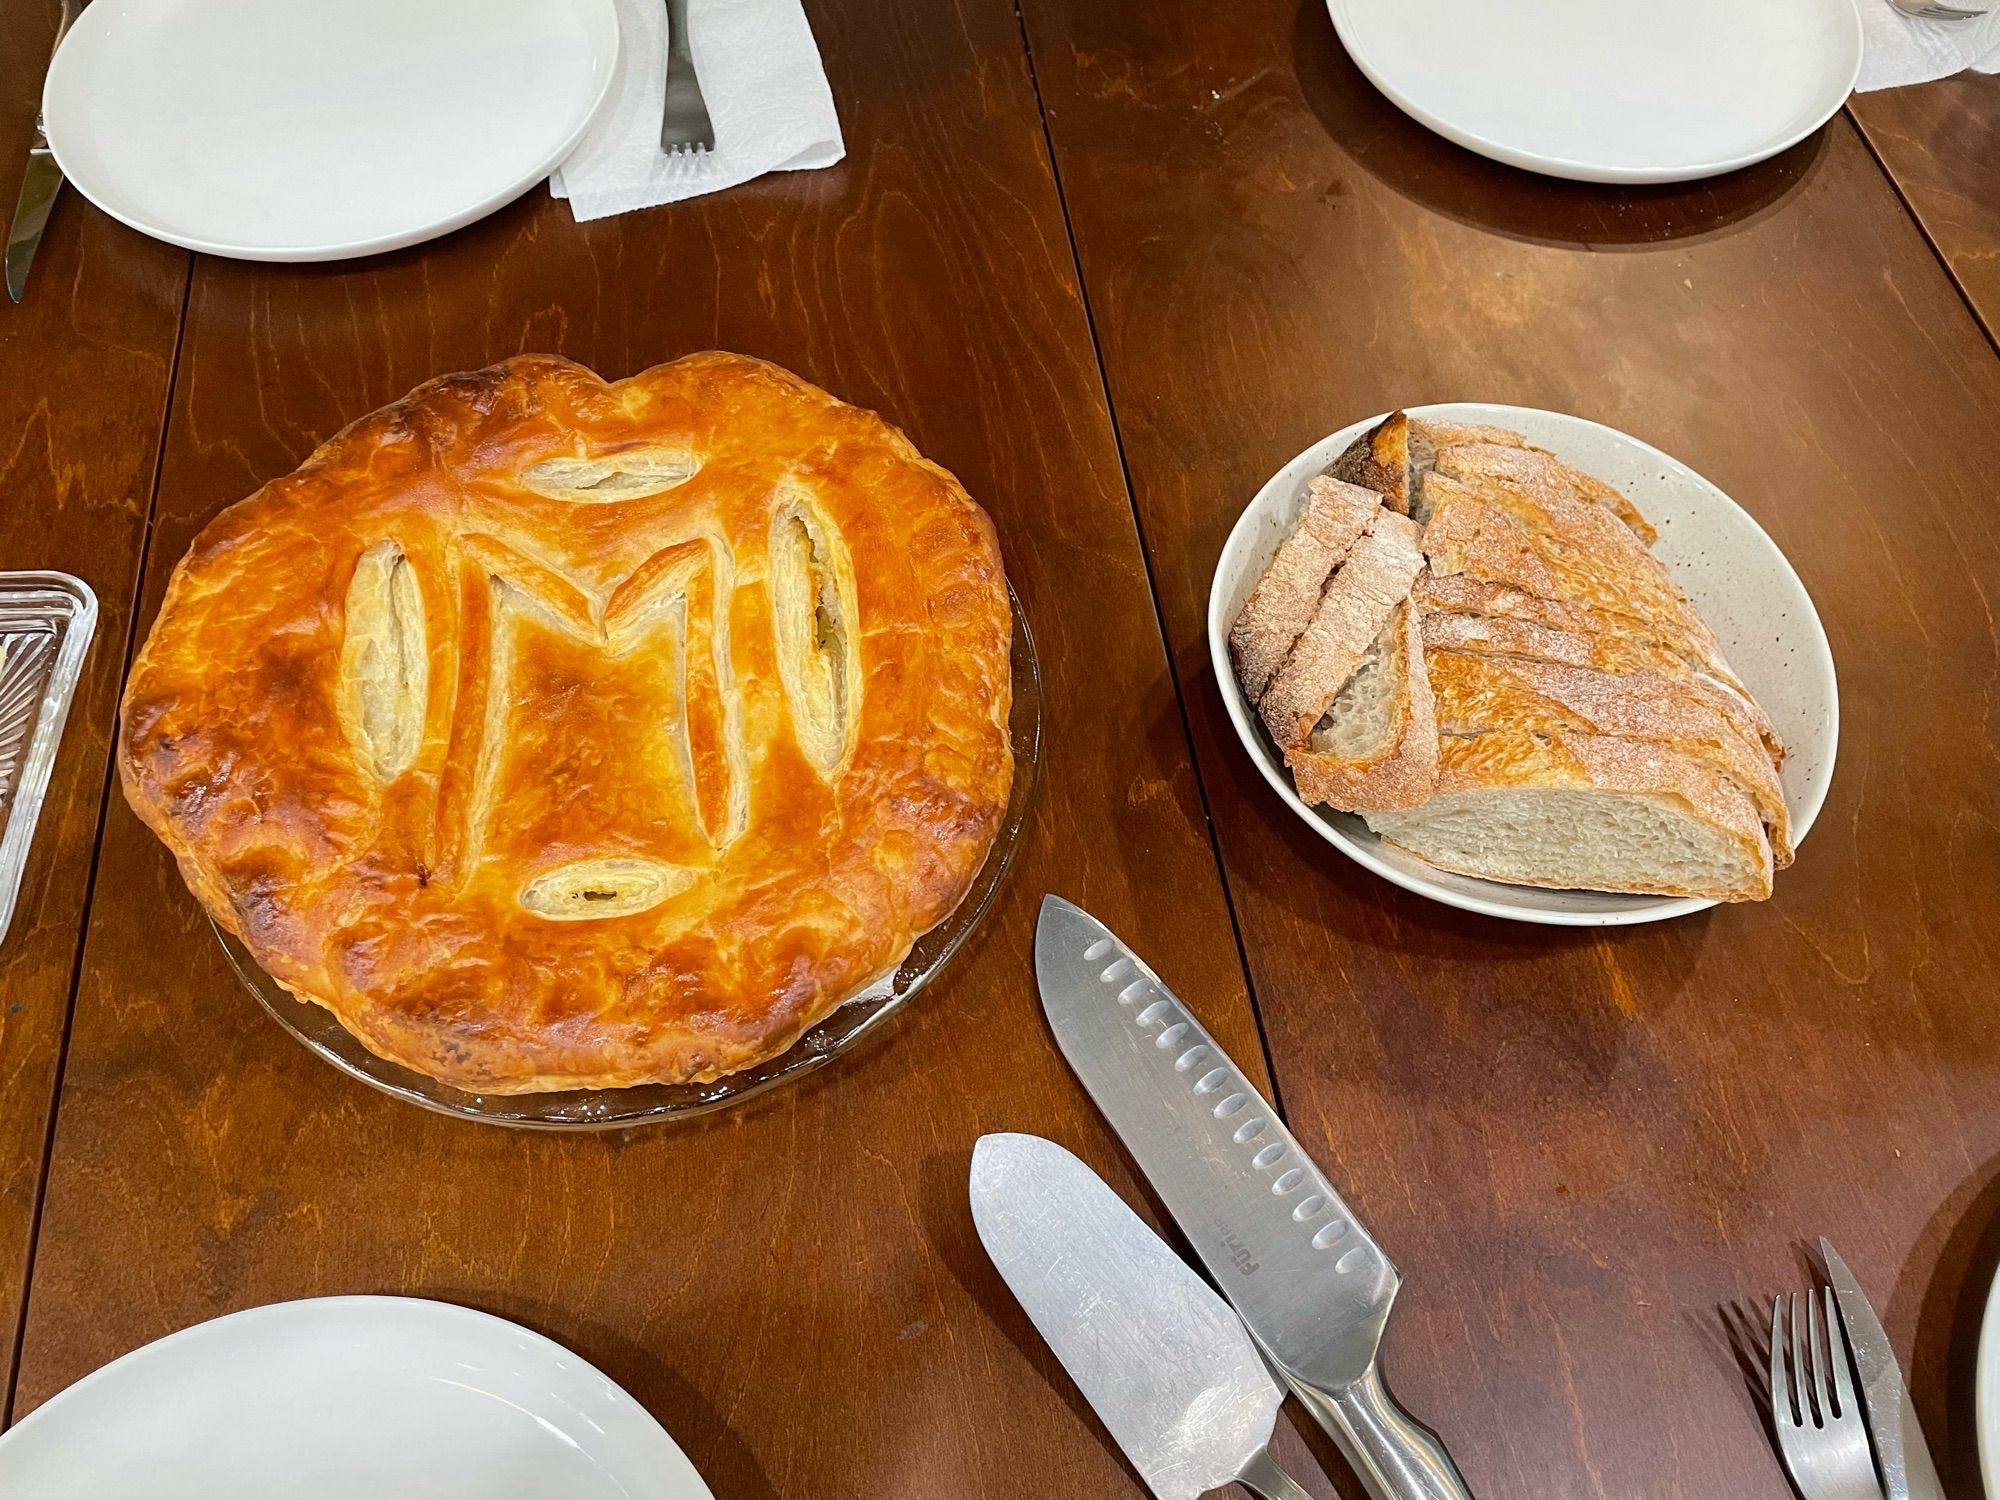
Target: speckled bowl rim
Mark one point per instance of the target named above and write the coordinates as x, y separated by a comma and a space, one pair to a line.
1757, 580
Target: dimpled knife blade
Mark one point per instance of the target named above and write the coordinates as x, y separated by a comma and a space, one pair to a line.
1312, 1285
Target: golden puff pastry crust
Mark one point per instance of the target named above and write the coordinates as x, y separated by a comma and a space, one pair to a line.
559, 734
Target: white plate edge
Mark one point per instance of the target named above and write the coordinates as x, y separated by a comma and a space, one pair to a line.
1576, 171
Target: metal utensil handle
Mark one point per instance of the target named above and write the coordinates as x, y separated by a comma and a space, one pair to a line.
1394, 1456
1263, 1477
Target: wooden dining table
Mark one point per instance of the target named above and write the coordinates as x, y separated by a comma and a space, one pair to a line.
1112, 262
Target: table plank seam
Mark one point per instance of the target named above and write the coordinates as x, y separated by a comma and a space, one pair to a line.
1916, 217
1146, 560
128, 647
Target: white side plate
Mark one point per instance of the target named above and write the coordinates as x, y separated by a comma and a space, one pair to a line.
338, 1398
1986, 1392
1611, 90
1739, 580
321, 129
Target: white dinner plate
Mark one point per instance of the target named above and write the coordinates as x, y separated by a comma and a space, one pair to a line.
338, 1398
1986, 1392
1611, 90
321, 129
1739, 580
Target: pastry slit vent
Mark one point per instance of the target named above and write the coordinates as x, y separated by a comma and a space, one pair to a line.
592, 889
686, 588
384, 663
629, 475
815, 622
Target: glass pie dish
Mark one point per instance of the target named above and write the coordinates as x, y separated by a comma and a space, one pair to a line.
46, 621
616, 1109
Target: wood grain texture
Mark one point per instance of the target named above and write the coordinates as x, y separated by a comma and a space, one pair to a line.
1592, 1154
1940, 141
794, 1288
85, 363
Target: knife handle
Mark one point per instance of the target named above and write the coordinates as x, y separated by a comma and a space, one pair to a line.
1393, 1455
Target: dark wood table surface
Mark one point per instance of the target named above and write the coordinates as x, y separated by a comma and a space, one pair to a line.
1112, 263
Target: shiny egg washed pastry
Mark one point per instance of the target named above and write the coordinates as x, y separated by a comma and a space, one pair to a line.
559, 734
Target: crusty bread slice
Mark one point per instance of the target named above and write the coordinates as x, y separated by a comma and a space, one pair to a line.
1279, 608
1393, 458
1537, 472
1477, 531
1376, 746
1353, 609
1600, 650
1478, 693
1501, 604
1586, 812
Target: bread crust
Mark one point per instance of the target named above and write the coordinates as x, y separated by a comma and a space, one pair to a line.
759, 708
1510, 760
1502, 537
1477, 692
1356, 605
1393, 457
1281, 606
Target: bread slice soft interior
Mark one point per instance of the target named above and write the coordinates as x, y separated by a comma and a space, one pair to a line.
1353, 609
1376, 745
1585, 812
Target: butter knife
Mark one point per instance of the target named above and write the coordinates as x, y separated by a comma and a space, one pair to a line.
1900, 1449
1311, 1285
39, 186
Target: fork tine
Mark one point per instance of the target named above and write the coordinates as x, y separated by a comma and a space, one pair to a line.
1801, 1371
1822, 1395
1836, 1338
1782, 1411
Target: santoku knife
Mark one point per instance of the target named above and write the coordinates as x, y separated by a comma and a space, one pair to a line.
1900, 1449
1275, 1236
1165, 1363
39, 186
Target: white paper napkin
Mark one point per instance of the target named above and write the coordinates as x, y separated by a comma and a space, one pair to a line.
766, 93
1899, 49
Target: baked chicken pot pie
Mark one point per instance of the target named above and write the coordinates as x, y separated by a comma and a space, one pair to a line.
559, 734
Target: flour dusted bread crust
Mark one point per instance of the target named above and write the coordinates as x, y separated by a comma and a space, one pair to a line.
555, 733
1538, 703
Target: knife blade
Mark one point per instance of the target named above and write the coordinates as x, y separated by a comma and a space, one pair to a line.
1164, 1363
1308, 1280
39, 187
1905, 1458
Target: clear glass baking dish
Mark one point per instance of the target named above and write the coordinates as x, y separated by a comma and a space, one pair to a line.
46, 622
617, 1109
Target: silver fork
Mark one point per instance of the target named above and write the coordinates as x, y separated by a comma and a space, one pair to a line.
1929, 12
685, 126
1818, 1422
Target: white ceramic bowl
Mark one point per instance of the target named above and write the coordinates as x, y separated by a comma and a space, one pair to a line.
1737, 577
